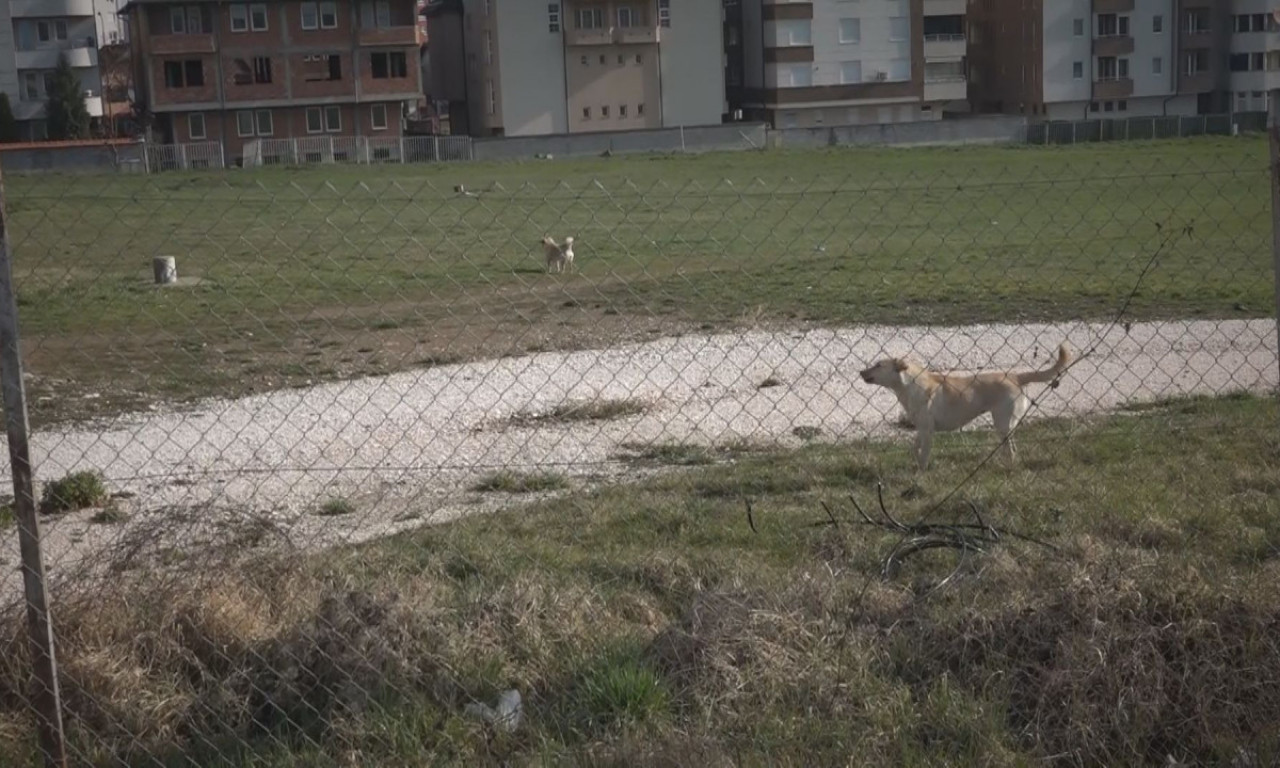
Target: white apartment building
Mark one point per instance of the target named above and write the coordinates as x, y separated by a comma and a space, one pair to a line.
32, 34
1087, 59
521, 68
1253, 60
847, 62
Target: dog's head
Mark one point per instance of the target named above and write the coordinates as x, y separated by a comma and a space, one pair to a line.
568, 242
886, 373
549, 241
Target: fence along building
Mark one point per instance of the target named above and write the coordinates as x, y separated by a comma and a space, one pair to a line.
833, 62
334, 76
524, 68
1089, 59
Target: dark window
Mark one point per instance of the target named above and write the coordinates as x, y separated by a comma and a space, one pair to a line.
261, 69
385, 65
195, 72
183, 74
335, 67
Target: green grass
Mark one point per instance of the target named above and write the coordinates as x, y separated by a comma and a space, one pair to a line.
78, 490
520, 482
651, 623
316, 274
335, 507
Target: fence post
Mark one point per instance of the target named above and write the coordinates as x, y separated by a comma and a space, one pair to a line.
435, 148
1273, 131
402, 150
45, 696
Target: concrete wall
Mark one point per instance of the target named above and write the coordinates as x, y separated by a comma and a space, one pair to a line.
691, 55
1063, 49
695, 139
531, 69
71, 157
992, 129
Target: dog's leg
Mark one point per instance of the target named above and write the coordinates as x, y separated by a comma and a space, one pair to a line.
924, 441
1006, 417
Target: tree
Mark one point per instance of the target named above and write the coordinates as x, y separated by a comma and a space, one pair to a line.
66, 116
8, 125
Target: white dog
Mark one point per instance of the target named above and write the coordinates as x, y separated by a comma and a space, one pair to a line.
558, 256
938, 402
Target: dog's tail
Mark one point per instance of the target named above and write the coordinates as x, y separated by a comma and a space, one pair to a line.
1048, 374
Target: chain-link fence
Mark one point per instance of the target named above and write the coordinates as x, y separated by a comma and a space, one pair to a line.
347, 466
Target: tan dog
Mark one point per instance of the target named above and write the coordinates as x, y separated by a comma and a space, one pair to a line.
558, 256
939, 402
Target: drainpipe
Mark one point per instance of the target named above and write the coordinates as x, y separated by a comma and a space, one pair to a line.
1173, 65
222, 95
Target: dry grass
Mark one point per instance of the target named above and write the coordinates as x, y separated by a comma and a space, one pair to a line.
651, 625
603, 409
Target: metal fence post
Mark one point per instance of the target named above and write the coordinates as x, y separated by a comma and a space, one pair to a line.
402, 150
1273, 131
45, 695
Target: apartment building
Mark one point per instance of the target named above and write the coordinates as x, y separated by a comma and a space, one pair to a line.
32, 35
1083, 59
845, 62
1253, 62
522, 68
236, 73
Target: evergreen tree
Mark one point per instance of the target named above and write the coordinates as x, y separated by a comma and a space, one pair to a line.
67, 117
8, 125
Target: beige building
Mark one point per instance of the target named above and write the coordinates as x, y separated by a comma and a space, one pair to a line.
521, 68
844, 62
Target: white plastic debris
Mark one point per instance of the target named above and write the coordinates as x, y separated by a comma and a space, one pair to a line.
505, 716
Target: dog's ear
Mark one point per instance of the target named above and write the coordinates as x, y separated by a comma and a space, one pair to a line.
899, 364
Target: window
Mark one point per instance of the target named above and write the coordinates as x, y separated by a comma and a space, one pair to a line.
195, 126
900, 69
258, 23
1257, 62
1195, 61
388, 64
604, 111
1157, 66
328, 15
639, 58
183, 74
488, 47
263, 119
795, 75
315, 120
1238, 62
585, 61
375, 14
333, 118
639, 110
1123, 25
240, 23
335, 66
602, 58
1251, 22
177, 20
1077, 70
1077, 27
1122, 106
244, 123
627, 17
30, 87
48, 31
664, 13
1122, 67
1157, 24
1108, 25
586, 113
1093, 106
1108, 106
1196, 21
622, 110
621, 59
378, 117
493, 97
850, 72
1108, 69
261, 69
589, 18
553, 17
850, 30
310, 16
899, 28
793, 32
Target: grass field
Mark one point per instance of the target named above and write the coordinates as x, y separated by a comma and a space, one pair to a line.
653, 624
305, 275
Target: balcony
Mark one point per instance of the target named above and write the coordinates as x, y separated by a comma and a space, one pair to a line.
1113, 88
946, 89
164, 45
1112, 6
633, 35
1113, 45
1201, 81
636, 35
592, 36
791, 54
49, 8
944, 46
406, 35
944, 7
47, 58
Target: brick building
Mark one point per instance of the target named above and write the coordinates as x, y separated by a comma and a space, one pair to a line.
235, 73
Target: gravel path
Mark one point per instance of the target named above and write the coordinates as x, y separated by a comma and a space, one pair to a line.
406, 447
